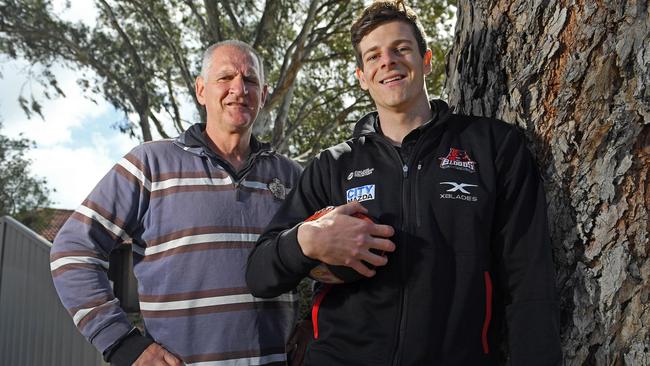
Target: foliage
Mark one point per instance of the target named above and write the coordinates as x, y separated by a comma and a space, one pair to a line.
142, 55
20, 192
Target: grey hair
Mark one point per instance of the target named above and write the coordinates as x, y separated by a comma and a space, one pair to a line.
207, 56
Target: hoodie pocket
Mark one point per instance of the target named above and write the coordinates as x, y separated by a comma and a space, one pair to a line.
488, 311
316, 307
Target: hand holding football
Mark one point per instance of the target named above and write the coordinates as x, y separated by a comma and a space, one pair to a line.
348, 242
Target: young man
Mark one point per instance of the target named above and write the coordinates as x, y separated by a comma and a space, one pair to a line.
193, 207
461, 224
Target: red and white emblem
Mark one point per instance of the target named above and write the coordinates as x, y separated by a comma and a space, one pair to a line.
458, 159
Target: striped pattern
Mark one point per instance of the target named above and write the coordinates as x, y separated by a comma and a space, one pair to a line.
258, 360
82, 313
191, 239
209, 302
168, 183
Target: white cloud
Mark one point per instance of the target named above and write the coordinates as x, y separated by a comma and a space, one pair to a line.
73, 172
61, 114
76, 146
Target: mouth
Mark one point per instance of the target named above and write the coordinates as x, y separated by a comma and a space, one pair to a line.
392, 79
237, 104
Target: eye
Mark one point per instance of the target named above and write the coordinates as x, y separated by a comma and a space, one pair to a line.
403, 49
372, 57
223, 78
251, 80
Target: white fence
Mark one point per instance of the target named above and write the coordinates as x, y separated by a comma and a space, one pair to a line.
35, 329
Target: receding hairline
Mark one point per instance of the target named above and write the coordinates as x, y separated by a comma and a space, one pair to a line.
242, 46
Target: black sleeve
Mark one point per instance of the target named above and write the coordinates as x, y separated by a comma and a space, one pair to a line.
277, 264
127, 350
523, 258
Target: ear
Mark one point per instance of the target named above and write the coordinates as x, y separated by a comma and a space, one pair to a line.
362, 78
428, 55
265, 93
199, 89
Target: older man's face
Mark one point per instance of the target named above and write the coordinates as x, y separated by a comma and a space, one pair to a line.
232, 92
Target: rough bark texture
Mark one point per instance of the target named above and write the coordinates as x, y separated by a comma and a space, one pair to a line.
576, 76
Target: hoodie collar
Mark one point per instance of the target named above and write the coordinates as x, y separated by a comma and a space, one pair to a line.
193, 139
369, 123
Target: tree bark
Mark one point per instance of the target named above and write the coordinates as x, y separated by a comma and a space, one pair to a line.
576, 77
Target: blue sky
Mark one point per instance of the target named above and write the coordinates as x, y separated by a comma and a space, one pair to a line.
76, 145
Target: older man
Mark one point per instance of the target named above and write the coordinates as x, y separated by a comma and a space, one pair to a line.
193, 208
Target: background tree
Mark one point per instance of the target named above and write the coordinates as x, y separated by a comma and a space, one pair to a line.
143, 55
576, 77
21, 193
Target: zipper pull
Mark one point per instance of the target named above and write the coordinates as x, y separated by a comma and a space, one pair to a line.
405, 170
237, 196
420, 165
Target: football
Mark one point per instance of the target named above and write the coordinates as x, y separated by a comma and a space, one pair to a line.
326, 273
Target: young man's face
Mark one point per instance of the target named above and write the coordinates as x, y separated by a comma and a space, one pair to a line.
233, 91
393, 69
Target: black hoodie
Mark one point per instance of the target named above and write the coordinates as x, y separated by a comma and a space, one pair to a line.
473, 251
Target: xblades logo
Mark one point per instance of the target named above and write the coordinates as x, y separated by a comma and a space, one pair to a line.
458, 187
463, 194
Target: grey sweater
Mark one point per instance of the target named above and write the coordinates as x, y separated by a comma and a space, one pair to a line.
193, 221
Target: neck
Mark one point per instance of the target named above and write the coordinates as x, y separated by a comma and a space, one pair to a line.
396, 124
234, 147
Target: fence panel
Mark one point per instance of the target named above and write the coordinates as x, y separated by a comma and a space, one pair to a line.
35, 329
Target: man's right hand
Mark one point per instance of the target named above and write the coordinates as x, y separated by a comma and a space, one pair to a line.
337, 238
156, 355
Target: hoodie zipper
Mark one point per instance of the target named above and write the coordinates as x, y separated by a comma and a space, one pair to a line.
237, 179
418, 221
403, 290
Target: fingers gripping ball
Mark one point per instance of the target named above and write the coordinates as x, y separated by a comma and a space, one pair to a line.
327, 273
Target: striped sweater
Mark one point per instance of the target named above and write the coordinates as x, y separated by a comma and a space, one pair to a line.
192, 222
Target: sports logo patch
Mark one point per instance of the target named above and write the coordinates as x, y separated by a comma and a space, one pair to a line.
277, 188
360, 173
458, 159
360, 194
458, 191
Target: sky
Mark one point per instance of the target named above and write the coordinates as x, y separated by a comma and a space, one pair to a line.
76, 145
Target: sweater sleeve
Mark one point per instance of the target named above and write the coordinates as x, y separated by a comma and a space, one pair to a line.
277, 264
79, 258
523, 258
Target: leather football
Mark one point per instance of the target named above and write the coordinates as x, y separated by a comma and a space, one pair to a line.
327, 273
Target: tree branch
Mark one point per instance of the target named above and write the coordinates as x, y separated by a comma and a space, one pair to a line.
290, 70
177, 115
159, 126
267, 22
207, 32
232, 16
214, 20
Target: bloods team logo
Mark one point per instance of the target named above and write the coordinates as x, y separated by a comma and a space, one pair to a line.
458, 159
360, 194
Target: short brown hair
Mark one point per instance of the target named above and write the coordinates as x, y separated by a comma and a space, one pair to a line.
381, 12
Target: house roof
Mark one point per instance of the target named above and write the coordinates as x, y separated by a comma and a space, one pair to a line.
55, 219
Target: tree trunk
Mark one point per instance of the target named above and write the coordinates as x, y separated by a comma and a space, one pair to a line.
576, 77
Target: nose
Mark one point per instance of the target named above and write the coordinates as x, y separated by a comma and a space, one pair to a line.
387, 58
238, 86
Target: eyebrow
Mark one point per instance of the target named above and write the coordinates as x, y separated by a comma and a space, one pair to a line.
397, 41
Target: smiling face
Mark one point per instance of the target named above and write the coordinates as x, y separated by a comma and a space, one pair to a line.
393, 69
232, 91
